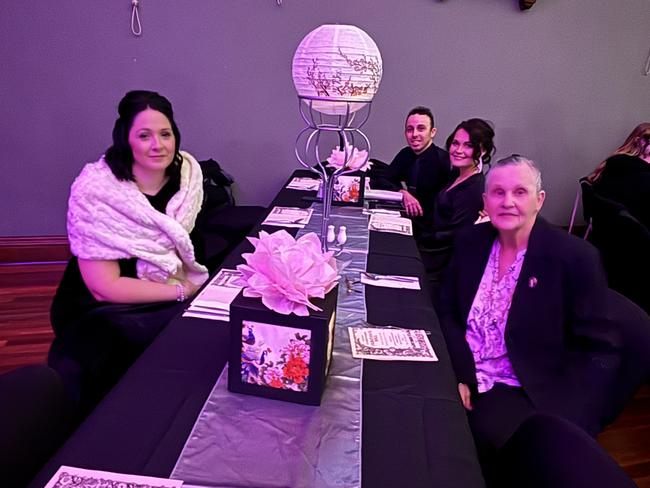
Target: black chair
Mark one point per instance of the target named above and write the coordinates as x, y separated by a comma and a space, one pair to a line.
35, 419
633, 325
377, 169
550, 452
623, 243
92, 352
222, 224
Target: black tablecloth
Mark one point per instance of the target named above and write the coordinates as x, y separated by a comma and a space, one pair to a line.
415, 432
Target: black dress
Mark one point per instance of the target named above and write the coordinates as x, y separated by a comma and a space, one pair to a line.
96, 341
455, 208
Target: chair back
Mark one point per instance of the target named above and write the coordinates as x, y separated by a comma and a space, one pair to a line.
633, 326
377, 170
597, 207
623, 243
549, 451
35, 420
217, 186
574, 210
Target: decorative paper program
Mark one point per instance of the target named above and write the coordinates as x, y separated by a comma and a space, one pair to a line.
69, 477
391, 344
304, 183
388, 223
288, 217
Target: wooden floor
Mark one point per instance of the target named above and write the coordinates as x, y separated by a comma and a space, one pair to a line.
25, 335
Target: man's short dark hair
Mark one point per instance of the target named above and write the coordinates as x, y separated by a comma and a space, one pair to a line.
420, 110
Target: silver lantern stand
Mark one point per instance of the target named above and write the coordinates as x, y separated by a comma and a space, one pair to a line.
348, 126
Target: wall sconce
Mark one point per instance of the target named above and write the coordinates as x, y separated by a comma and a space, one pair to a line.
526, 4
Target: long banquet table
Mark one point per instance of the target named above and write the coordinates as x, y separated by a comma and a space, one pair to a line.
414, 432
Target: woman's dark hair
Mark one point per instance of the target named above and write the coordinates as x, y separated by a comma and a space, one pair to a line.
119, 156
481, 136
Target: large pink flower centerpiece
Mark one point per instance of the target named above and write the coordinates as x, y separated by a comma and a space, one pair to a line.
286, 272
357, 160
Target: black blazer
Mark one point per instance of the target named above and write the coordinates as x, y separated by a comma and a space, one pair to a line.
560, 339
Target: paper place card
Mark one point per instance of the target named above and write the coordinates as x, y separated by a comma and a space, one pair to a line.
304, 183
391, 344
220, 291
381, 211
207, 314
213, 302
386, 195
67, 477
288, 217
388, 223
390, 281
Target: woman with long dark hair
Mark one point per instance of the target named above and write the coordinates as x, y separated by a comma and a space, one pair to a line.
130, 215
470, 147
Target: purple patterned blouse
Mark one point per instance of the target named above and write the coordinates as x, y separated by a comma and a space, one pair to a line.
487, 320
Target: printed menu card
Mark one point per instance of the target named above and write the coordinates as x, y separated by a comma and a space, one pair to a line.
391, 344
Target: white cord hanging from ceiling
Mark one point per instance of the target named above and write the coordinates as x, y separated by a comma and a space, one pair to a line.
646, 69
136, 26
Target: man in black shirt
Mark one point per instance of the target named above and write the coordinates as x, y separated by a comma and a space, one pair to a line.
420, 170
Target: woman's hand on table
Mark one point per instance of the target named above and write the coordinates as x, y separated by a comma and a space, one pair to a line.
411, 204
465, 396
190, 288
103, 280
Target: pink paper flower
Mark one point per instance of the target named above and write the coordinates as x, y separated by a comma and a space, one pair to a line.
286, 272
357, 160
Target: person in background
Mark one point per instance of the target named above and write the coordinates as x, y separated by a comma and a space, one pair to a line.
470, 146
524, 316
130, 215
625, 176
419, 171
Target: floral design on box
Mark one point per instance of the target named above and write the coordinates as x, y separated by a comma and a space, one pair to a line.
346, 189
275, 356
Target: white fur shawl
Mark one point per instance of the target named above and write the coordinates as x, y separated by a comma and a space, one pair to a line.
110, 219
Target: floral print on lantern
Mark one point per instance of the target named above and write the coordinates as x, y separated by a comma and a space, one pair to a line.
275, 356
329, 84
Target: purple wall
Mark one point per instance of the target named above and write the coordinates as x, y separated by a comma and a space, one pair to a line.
562, 82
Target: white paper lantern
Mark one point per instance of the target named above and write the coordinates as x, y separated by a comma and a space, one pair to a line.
335, 64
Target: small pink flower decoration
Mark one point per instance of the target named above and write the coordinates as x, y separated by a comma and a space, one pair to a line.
358, 160
286, 272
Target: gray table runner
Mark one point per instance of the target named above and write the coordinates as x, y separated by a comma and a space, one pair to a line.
248, 441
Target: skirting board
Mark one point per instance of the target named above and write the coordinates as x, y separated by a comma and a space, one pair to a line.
34, 249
